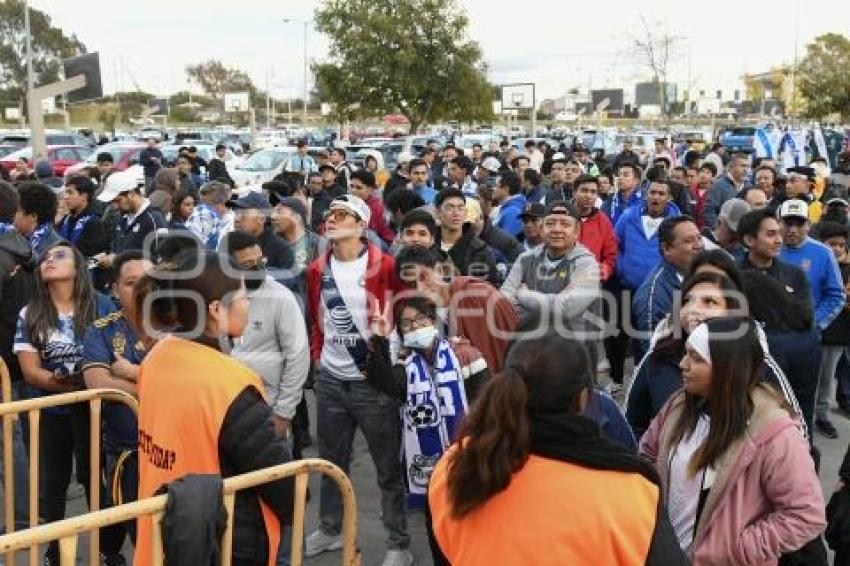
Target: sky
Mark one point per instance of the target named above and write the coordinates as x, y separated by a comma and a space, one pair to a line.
555, 44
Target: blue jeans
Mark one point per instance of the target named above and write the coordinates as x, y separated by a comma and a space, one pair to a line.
20, 460
341, 407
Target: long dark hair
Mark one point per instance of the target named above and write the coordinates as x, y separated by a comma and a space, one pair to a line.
737, 367
542, 375
193, 280
674, 345
42, 316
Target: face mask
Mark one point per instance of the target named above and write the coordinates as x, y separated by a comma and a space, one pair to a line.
421, 338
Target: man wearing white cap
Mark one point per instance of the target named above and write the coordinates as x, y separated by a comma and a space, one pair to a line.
825, 283
348, 286
140, 219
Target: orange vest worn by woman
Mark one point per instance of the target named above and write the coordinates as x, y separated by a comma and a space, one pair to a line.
553, 513
185, 391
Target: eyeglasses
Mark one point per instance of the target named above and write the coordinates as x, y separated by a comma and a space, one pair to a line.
420, 320
338, 215
259, 263
58, 255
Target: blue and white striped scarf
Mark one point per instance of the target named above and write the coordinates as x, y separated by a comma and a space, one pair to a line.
436, 404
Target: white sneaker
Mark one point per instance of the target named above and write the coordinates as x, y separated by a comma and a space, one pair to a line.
398, 558
318, 542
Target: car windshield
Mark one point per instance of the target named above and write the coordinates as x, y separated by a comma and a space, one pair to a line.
26, 153
264, 160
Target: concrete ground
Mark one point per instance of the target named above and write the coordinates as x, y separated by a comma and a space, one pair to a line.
370, 535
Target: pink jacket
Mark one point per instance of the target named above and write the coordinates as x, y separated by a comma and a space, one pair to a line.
766, 499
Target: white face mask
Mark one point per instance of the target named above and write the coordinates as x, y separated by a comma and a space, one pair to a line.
421, 338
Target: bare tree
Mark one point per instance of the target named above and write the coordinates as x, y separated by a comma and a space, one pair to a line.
654, 50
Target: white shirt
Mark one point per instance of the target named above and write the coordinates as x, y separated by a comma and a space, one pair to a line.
685, 489
650, 225
346, 325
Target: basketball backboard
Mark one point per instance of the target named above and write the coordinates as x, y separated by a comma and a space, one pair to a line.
518, 97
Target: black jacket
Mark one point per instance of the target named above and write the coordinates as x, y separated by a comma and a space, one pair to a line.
838, 333
151, 160
217, 171
500, 240
94, 238
277, 251
196, 163
394, 183
471, 256
15, 293
248, 442
790, 276
133, 234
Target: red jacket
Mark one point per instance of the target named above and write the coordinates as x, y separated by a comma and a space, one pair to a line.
377, 222
381, 283
597, 235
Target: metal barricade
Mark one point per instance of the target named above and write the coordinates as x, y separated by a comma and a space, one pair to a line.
67, 531
9, 412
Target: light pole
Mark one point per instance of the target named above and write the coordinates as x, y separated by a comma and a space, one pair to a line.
306, 23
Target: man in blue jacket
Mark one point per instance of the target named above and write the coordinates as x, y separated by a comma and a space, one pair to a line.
628, 192
679, 241
637, 233
825, 283
508, 194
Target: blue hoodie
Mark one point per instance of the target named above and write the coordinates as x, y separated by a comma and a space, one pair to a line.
616, 206
637, 255
508, 219
818, 263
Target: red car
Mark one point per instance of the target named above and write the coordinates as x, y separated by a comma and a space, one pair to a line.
124, 154
60, 157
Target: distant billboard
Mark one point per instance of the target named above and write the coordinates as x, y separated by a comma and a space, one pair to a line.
614, 96
237, 102
89, 66
12, 113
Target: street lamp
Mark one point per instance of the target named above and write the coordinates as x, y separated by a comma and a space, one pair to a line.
305, 23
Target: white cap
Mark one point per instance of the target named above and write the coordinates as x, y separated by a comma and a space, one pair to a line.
354, 205
558, 155
794, 208
405, 157
117, 183
491, 164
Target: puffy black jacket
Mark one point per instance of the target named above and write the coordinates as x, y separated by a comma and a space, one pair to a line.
248, 442
15, 292
217, 171
471, 256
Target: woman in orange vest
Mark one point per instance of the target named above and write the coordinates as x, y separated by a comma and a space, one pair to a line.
200, 410
531, 481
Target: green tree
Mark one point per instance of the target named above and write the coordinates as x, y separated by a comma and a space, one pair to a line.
823, 77
49, 46
411, 57
216, 79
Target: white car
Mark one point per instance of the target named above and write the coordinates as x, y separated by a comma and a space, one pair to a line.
261, 167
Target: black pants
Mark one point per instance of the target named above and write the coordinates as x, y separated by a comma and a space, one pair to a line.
616, 347
64, 442
436, 552
300, 427
798, 354
64, 439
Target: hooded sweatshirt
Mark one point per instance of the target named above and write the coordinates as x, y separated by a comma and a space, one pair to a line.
766, 498
637, 253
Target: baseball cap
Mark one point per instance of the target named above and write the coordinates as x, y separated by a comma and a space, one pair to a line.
732, 211
837, 200
405, 157
354, 205
253, 199
803, 170
794, 208
533, 210
491, 164
561, 207
117, 183
296, 205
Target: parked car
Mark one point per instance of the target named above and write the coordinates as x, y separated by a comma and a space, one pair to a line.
261, 167
124, 154
52, 138
6, 149
60, 157
739, 139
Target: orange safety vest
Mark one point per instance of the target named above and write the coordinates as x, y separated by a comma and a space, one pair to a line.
185, 390
552, 513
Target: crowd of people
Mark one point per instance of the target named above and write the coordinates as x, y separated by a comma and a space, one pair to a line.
473, 314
